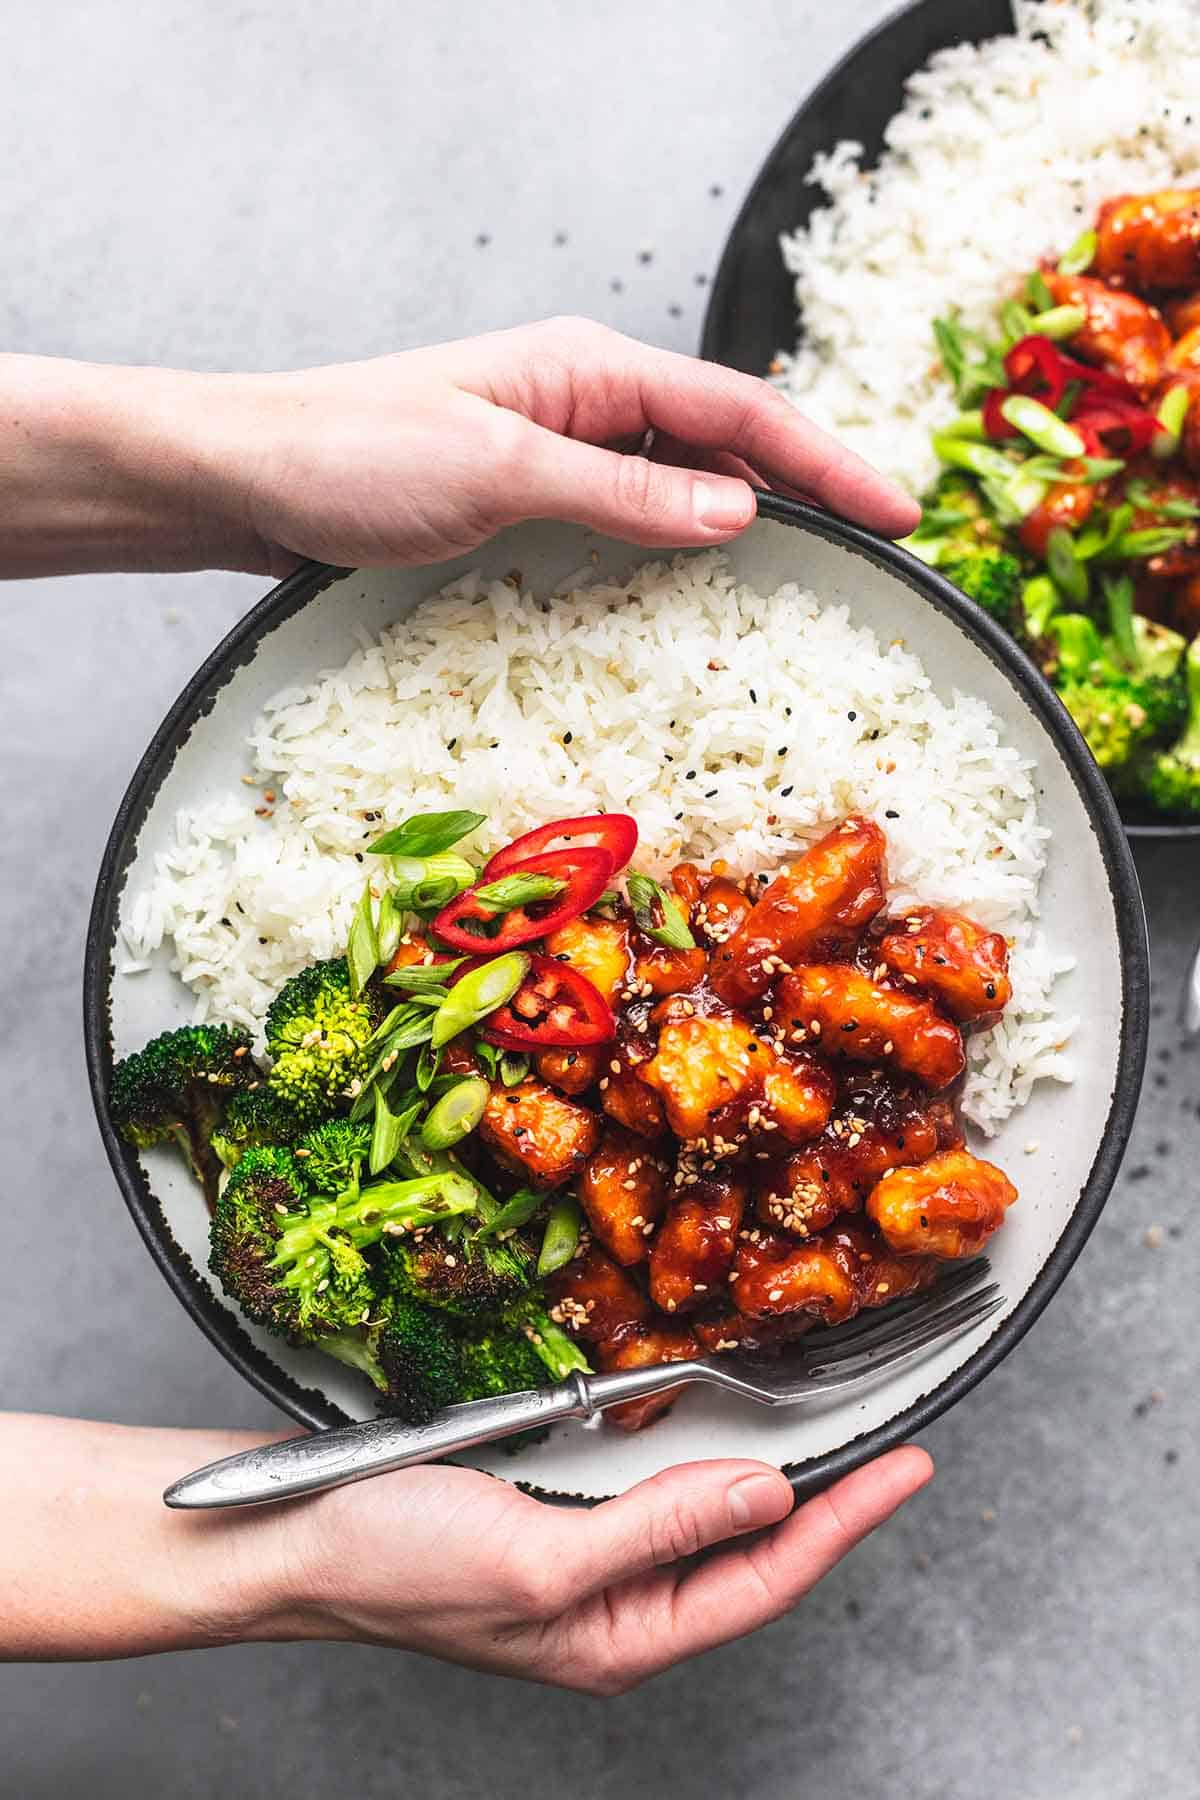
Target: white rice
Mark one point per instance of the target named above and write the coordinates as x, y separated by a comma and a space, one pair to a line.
1000, 155
731, 724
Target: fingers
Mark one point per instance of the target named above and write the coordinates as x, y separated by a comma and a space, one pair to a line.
672, 1515
744, 1589
624, 496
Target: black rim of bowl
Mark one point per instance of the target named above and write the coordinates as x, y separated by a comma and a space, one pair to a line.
923, 26
311, 1408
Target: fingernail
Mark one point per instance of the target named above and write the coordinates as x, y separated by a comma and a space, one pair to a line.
758, 1500
722, 506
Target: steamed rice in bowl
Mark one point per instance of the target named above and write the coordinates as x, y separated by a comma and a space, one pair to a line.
732, 723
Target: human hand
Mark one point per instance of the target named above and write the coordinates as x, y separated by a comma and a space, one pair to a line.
421, 456
460, 1566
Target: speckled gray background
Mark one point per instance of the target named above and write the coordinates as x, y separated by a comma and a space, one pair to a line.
266, 184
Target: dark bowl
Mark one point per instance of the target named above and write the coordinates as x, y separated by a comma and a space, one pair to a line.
752, 310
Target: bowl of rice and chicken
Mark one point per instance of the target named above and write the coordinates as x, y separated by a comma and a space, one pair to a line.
559, 960
1017, 195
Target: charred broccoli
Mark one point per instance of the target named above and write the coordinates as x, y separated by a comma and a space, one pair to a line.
990, 577
420, 1361
556, 1347
176, 1088
293, 1260
255, 1115
317, 1033
465, 1278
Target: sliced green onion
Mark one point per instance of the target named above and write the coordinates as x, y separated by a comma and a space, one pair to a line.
605, 901
1039, 602
426, 834
1080, 256
456, 1114
1139, 545
1067, 572
429, 1061
1102, 532
1171, 413
513, 1069
1037, 293
1118, 594
967, 425
488, 1058
362, 948
659, 914
516, 1211
1041, 426
479, 993
388, 1132
422, 978
1058, 322
1016, 322
424, 882
561, 1237
389, 927
511, 891
1066, 401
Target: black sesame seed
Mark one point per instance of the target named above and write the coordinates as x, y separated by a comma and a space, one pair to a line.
889, 814
784, 792
690, 776
711, 794
753, 698
852, 716
567, 736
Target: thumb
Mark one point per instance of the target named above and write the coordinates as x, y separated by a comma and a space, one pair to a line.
673, 1515
624, 496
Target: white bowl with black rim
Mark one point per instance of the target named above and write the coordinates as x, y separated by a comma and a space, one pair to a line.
1090, 905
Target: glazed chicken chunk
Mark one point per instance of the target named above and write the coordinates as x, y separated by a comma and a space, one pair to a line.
964, 967
836, 1009
601, 1305
818, 908
694, 1247
1125, 335
599, 949
948, 1207
1150, 240
623, 1192
540, 1135
720, 1079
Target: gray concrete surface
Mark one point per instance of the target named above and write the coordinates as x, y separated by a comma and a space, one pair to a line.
262, 184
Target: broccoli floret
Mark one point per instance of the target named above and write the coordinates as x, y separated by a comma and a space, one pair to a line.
500, 1362
254, 1116
1170, 780
556, 1348
465, 1278
316, 1033
333, 1154
1119, 710
992, 578
420, 1362
294, 1261
176, 1089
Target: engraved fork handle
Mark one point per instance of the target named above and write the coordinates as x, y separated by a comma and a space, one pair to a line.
324, 1459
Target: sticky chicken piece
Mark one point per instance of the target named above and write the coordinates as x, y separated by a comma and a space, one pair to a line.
658, 971
880, 1276
832, 891
594, 1299
623, 1191
725, 1328
625, 1098
720, 1080
844, 1013
1182, 313
1190, 439
1067, 503
695, 1244
688, 884
948, 1207
1123, 334
599, 949
644, 1347
573, 1071
1150, 240
721, 910
598, 1303
880, 1124
1185, 351
963, 966
774, 1277
538, 1134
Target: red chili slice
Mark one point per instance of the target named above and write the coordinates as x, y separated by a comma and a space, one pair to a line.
1036, 366
586, 872
554, 1008
1113, 427
615, 832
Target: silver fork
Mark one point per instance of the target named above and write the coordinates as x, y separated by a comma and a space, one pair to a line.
823, 1364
